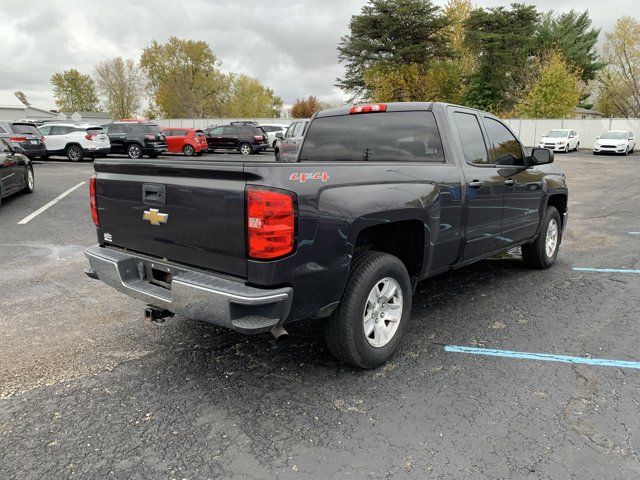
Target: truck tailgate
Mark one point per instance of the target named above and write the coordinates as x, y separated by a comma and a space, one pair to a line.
190, 212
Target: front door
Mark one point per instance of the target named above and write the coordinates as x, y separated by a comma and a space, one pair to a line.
117, 136
523, 192
485, 187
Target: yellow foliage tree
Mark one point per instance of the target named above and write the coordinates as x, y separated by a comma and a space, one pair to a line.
442, 82
555, 93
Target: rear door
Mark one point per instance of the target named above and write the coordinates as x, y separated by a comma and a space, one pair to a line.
523, 187
7, 174
484, 186
190, 212
230, 137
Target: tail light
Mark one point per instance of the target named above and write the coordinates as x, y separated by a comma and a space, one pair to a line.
150, 137
42, 139
92, 200
270, 223
371, 108
259, 138
89, 136
18, 139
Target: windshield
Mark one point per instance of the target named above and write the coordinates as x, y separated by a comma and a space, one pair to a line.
614, 136
557, 134
25, 128
390, 136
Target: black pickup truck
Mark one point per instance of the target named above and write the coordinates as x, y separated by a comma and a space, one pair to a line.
380, 197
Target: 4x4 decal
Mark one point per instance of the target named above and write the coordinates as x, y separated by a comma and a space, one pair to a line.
302, 177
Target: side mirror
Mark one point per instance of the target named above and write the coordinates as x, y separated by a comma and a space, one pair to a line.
17, 149
279, 135
540, 156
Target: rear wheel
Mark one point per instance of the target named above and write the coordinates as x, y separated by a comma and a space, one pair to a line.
75, 153
134, 151
542, 253
29, 180
577, 146
245, 149
188, 150
277, 154
368, 325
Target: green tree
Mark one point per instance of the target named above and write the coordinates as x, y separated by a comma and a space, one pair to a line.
442, 81
250, 98
618, 91
184, 78
306, 107
572, 35
121, 83
501, 41
555, 93
74, 91
391, 34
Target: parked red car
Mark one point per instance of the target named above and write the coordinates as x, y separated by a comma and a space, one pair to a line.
185, 140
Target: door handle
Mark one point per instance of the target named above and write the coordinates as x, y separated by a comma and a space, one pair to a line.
475, 184
153, 194
510, 182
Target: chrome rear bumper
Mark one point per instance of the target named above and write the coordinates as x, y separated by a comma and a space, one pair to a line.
202, 296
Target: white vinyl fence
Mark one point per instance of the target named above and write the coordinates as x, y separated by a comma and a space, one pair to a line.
529, 130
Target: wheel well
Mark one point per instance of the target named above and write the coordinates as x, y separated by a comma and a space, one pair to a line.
73, 144
404, 239
560, 202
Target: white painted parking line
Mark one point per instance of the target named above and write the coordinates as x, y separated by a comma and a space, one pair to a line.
30, 217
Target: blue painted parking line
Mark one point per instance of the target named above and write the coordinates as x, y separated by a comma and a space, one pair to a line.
605, 270
544, 357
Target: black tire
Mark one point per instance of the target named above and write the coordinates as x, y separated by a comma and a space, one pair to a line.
277, 155
245, 149
134, 151
577, 147
344, 330
30, 183
535, 254
75, 153
188, 150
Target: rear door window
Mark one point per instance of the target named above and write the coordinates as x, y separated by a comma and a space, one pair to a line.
377, 137
470, 133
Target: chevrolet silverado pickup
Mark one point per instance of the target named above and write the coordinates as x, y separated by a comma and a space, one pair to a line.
379, 197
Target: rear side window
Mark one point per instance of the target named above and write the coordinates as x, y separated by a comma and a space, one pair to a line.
44, 129
374, 137
25, 128
473, 146
503, 146
60, 130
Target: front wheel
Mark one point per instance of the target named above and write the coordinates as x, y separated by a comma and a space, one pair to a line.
245, 149
29, 181
134, 151
368, 325
542, 253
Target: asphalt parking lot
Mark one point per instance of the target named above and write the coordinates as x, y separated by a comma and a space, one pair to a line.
89, 390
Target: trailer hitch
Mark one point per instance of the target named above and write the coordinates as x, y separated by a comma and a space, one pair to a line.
157, 315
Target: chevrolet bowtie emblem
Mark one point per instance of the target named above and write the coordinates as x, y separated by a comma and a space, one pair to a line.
154, 216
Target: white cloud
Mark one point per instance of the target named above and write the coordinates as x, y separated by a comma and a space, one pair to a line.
289, 46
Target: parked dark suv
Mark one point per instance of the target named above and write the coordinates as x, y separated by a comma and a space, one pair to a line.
136, 138
246, 139
25, 135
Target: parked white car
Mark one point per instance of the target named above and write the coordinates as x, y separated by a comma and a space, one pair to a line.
560, 140
272, 130
75, 141
615, 141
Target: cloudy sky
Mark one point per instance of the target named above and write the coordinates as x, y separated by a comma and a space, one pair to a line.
289, 45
